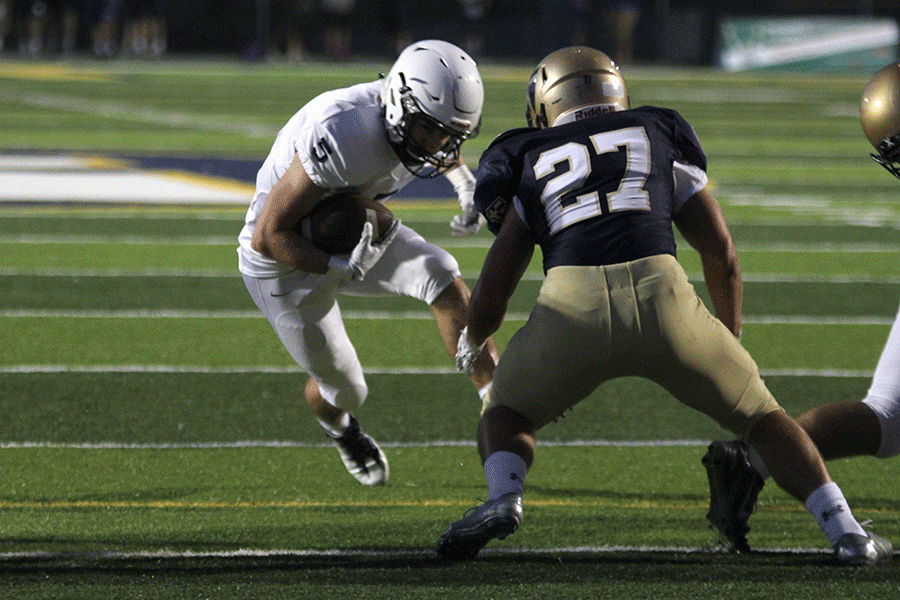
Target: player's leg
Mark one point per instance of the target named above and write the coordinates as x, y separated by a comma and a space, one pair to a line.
549, 365
410, 266
839, 430
449, 310
843, 429
870, 427
308, 322
360, 454
797, 467
335, 390
714, 374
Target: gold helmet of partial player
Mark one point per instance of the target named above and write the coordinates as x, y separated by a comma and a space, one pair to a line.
879, 112
574, 83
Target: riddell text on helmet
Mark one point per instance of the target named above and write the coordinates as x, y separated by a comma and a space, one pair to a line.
593, 111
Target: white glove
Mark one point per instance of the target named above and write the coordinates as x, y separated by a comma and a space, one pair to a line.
470, 221
364, 255
466, 352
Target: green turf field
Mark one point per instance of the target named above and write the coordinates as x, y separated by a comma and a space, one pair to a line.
155, 445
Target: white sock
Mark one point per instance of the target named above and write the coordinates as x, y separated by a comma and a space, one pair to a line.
483, 391
828, 506
333, 431
505, 472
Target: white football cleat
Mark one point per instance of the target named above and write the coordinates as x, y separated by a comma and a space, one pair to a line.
362, 456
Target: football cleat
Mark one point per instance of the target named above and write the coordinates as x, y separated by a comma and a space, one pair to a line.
362, 456
734, 487
854, 549
494, 519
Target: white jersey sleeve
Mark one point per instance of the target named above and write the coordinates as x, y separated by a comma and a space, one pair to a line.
689, 179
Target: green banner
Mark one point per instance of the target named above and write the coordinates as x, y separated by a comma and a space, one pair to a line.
807, 43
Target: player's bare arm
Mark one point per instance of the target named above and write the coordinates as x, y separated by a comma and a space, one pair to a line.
504, 266
703, 225
277, 235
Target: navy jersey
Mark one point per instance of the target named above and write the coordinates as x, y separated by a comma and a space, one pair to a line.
594, 192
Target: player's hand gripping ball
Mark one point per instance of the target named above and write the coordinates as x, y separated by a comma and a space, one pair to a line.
336, 223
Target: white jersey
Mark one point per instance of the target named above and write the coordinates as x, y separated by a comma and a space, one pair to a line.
341, 139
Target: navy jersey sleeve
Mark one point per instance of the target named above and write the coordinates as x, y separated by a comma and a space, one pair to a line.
687, 147
499, 171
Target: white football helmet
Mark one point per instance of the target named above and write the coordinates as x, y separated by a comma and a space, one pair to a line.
879, 113
435, 81
574, 83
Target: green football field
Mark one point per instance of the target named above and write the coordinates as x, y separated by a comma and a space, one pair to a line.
154, 439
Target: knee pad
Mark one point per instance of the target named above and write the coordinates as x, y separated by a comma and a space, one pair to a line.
348, 397
442, 270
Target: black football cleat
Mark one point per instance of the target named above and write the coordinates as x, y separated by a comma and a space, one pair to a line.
734, 487
496, 518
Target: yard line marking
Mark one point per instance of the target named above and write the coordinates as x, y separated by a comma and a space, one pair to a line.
266, 504
142, 114
818, 248
398, 553
329, 445
534, 276
276, 370
229, 273
394, 315
211, 240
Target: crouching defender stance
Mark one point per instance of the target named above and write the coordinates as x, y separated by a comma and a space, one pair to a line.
841, 429
598, 186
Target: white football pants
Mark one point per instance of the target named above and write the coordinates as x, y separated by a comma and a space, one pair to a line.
884, 394
302, 308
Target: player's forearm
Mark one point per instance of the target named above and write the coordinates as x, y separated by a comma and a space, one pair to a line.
289, 248
726, 289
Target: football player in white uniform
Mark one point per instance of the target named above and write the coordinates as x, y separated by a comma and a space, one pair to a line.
598, 185
842, 429
371, 138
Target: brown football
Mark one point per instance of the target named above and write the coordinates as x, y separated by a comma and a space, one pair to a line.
336, 223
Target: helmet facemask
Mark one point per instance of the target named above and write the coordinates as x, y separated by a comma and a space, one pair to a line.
889, 155
412, 153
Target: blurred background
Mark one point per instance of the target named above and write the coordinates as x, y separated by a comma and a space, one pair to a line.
731, 34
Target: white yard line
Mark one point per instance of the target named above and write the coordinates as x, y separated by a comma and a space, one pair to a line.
533, 276
50, 369
817, 248
399, 553
141, 114
394, 315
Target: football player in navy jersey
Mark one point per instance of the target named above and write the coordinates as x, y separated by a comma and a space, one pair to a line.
870, 427
597, 185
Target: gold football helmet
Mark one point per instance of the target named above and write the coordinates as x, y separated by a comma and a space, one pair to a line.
574, 83
879, 112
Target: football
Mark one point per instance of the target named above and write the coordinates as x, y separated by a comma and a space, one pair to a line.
336, 223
